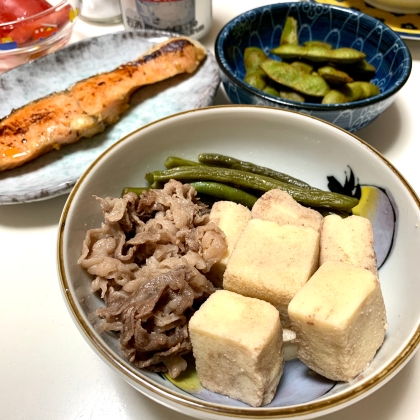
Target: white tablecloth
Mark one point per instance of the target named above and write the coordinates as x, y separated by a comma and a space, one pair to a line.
48, 371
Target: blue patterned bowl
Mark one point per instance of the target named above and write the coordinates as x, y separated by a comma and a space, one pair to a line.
262, 27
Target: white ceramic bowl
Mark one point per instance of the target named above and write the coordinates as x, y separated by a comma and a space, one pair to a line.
304, 147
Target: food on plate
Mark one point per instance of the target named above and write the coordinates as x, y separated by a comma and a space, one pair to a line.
348, 240
351, 92
231, 218
340, 320
224, 192
253, 181
87, 107
289, 35
313, 72
148, 260
319, 54
26, 25
243, 288
272, 262
278, 206
285, 74
216, 159
237, 346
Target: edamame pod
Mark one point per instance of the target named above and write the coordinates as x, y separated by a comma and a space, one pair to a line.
289, 35
320, 44
334, 76
256, 78
313, 198
225, 192
253, 57
233, 163
292, 96
362, 70
287, 75
351, 92
271, 91
303, 67
319, 54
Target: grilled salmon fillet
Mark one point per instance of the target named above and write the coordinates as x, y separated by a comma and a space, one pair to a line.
87, 107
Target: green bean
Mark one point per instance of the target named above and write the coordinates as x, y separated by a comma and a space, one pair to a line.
174, 161
351, 92
334, 76
241, 165
289, 35
307, 197
319, 54
137, 190
289, 76
225, 192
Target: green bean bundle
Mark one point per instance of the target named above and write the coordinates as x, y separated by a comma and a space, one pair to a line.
312, 198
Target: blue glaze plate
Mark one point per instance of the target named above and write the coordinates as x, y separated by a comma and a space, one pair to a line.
56, 172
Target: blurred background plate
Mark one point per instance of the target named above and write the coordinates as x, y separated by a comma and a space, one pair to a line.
405, 25
56, 172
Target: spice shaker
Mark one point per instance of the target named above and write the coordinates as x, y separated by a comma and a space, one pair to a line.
187, 17
101, 11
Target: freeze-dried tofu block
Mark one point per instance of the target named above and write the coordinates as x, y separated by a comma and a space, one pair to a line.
349, 240
340, 320
272, 262
237, 345
280, 207
231, 219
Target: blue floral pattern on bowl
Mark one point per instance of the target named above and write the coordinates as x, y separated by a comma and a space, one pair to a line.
262, 27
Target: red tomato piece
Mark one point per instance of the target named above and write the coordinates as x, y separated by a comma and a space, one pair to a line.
26, 31
25, 8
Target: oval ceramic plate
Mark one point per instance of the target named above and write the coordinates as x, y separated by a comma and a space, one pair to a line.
55, 173
405, 25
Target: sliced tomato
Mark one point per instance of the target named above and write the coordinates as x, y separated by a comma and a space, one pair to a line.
7, 17
23, 32
24, 8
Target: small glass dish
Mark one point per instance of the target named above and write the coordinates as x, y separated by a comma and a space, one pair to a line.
31, 37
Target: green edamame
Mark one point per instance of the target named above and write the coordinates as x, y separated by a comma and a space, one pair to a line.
320, 44
351, 92
271, 91
289, 35
334, 76
319, 54
289, 76
254, 76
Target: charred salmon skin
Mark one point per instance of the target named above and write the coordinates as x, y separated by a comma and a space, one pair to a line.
87, 107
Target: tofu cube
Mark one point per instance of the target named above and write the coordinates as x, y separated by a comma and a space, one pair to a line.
231, 218
272, 262
349, 240
237, 345
340, 320
280, 207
